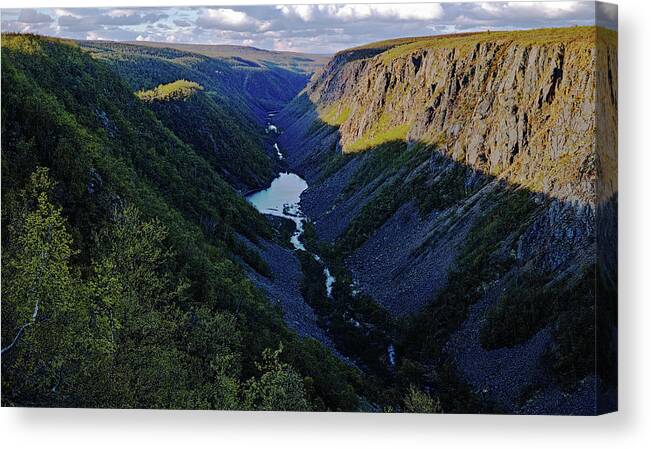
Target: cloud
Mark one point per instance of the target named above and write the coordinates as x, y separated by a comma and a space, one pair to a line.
501, 12
85, 21
310, 28
230, 19
182, 23
304, 12
355, 12
33, 16
73, 23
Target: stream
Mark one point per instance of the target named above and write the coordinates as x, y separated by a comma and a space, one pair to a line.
282, 199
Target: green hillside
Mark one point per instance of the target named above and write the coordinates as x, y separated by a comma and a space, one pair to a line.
119, 240
222, 122
245, 85
235, 150
305, 63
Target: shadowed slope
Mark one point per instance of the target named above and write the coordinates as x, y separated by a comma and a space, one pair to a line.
474, 203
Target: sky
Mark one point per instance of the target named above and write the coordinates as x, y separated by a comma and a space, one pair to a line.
304, 28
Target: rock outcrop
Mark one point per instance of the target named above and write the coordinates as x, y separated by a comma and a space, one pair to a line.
524, 112
517, 105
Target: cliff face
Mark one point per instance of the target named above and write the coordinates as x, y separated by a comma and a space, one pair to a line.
517, 105
460, 177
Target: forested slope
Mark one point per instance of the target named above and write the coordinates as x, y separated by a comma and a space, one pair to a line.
247, 86
119, 285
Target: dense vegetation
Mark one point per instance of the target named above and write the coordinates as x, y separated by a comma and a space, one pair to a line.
220, 122
177, 90
244, 84
234, 150
119, 285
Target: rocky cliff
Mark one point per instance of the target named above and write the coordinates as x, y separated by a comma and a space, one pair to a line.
518, 105
459, 178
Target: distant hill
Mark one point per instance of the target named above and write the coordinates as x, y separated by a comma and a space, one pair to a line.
242, 56
259, 87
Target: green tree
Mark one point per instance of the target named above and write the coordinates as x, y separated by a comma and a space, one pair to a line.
216, 339
418, 402
279, 387
47, 328
133, 288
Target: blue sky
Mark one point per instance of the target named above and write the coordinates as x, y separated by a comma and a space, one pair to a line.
306, 28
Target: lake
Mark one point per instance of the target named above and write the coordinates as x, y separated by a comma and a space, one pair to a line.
282, 199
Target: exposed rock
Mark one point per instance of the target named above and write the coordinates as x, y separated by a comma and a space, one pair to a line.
515, 113
505, 107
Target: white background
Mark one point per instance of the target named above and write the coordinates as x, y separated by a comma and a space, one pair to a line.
628, 428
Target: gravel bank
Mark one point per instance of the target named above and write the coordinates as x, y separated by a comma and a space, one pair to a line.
284, 290
504, 375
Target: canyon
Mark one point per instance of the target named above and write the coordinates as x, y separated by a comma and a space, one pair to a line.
433, 214
499, 119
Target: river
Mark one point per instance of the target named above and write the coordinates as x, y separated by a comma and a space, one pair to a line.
283, 199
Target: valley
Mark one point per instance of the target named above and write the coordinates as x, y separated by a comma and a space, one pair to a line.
404, 226
410, 218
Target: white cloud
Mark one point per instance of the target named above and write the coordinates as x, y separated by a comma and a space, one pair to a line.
532, 10
93, 36
304, 12
230, 19
283, 45
58, 12
347, 13
550, 10
122, 12
33, 16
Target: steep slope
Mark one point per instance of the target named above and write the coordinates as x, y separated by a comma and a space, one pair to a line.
120, 248
235, 149
247, 85
305, 63
227, 118
457, 177
520, 91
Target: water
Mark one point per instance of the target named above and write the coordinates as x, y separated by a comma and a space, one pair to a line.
278, 153
330, 279
282, 199
391, 352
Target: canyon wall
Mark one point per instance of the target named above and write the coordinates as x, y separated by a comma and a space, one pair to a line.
472, 159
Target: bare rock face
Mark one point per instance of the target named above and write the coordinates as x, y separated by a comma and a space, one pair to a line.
508, 106
519, 109
518, 112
